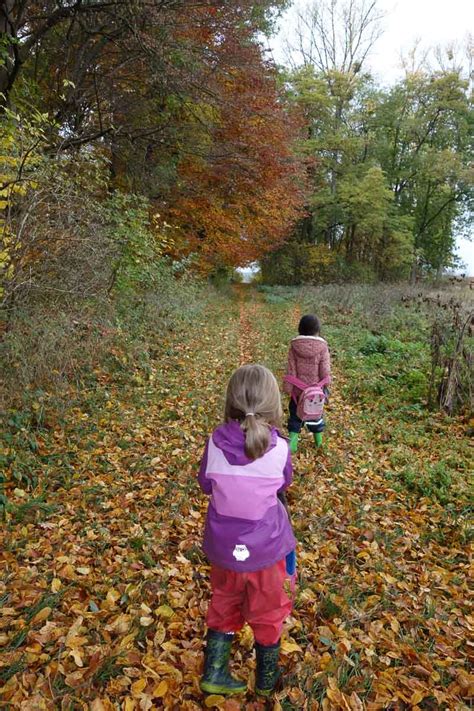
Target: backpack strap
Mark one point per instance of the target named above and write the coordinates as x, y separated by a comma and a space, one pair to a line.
293, 380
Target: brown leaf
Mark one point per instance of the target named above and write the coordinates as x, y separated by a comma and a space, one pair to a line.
41, 615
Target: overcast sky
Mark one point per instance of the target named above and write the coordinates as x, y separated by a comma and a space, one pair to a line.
431, 22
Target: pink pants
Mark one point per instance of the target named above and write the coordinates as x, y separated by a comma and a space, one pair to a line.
262, 598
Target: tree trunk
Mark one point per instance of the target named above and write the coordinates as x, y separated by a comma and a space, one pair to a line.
351, 242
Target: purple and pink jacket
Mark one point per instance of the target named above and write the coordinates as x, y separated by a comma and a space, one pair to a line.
247, 526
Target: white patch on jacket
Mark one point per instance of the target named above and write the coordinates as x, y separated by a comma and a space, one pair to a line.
241, 552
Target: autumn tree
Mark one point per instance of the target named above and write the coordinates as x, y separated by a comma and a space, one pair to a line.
241, 186
181, 102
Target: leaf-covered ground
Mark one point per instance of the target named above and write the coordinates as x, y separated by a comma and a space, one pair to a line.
104, 588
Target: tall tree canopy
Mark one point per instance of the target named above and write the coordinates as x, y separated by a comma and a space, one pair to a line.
180, 100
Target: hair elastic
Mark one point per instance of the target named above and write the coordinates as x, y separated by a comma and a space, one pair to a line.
250, 414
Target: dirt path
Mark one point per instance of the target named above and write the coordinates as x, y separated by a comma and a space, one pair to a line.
104, 590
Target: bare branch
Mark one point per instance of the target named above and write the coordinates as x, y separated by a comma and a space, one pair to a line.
337, 35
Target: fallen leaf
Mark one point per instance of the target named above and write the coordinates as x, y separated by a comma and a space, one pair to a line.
160, 690
41, 615
55, 585
98, 705
138, 686
164, 611
289, 646
416, 697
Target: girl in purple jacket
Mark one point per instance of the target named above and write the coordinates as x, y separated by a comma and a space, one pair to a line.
248, 536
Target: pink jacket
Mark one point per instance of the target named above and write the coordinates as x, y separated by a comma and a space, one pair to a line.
308, 359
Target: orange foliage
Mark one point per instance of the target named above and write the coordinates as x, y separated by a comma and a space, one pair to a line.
241, 188
180, 98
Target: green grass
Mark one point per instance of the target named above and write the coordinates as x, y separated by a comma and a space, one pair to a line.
110, 668
16, 667
379, 337
34, 508
433, 481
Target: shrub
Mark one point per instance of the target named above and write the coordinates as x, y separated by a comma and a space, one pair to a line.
86, 274
59, 249
44, 348
452, 356
374, 344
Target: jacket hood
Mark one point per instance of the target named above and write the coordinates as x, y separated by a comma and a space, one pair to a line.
308, 346
231, 439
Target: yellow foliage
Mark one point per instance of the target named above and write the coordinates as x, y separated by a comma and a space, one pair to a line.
20, 153
318, 262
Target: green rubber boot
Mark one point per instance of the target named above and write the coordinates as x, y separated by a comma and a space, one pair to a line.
216, 678
294, 436
318, 439
268, 671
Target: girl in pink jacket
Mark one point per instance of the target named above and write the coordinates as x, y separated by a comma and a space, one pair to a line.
308, 360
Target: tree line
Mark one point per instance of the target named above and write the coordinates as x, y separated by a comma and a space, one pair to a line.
137, 131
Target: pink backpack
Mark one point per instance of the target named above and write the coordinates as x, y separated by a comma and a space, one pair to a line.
310, 404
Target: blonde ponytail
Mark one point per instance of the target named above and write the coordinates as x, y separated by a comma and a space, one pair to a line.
254, 400
257, 436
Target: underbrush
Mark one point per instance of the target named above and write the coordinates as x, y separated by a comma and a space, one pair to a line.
57, 370
50, 347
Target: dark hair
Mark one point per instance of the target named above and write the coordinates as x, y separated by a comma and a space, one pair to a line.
309, 325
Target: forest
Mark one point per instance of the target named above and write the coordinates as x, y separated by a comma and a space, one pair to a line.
149, 150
